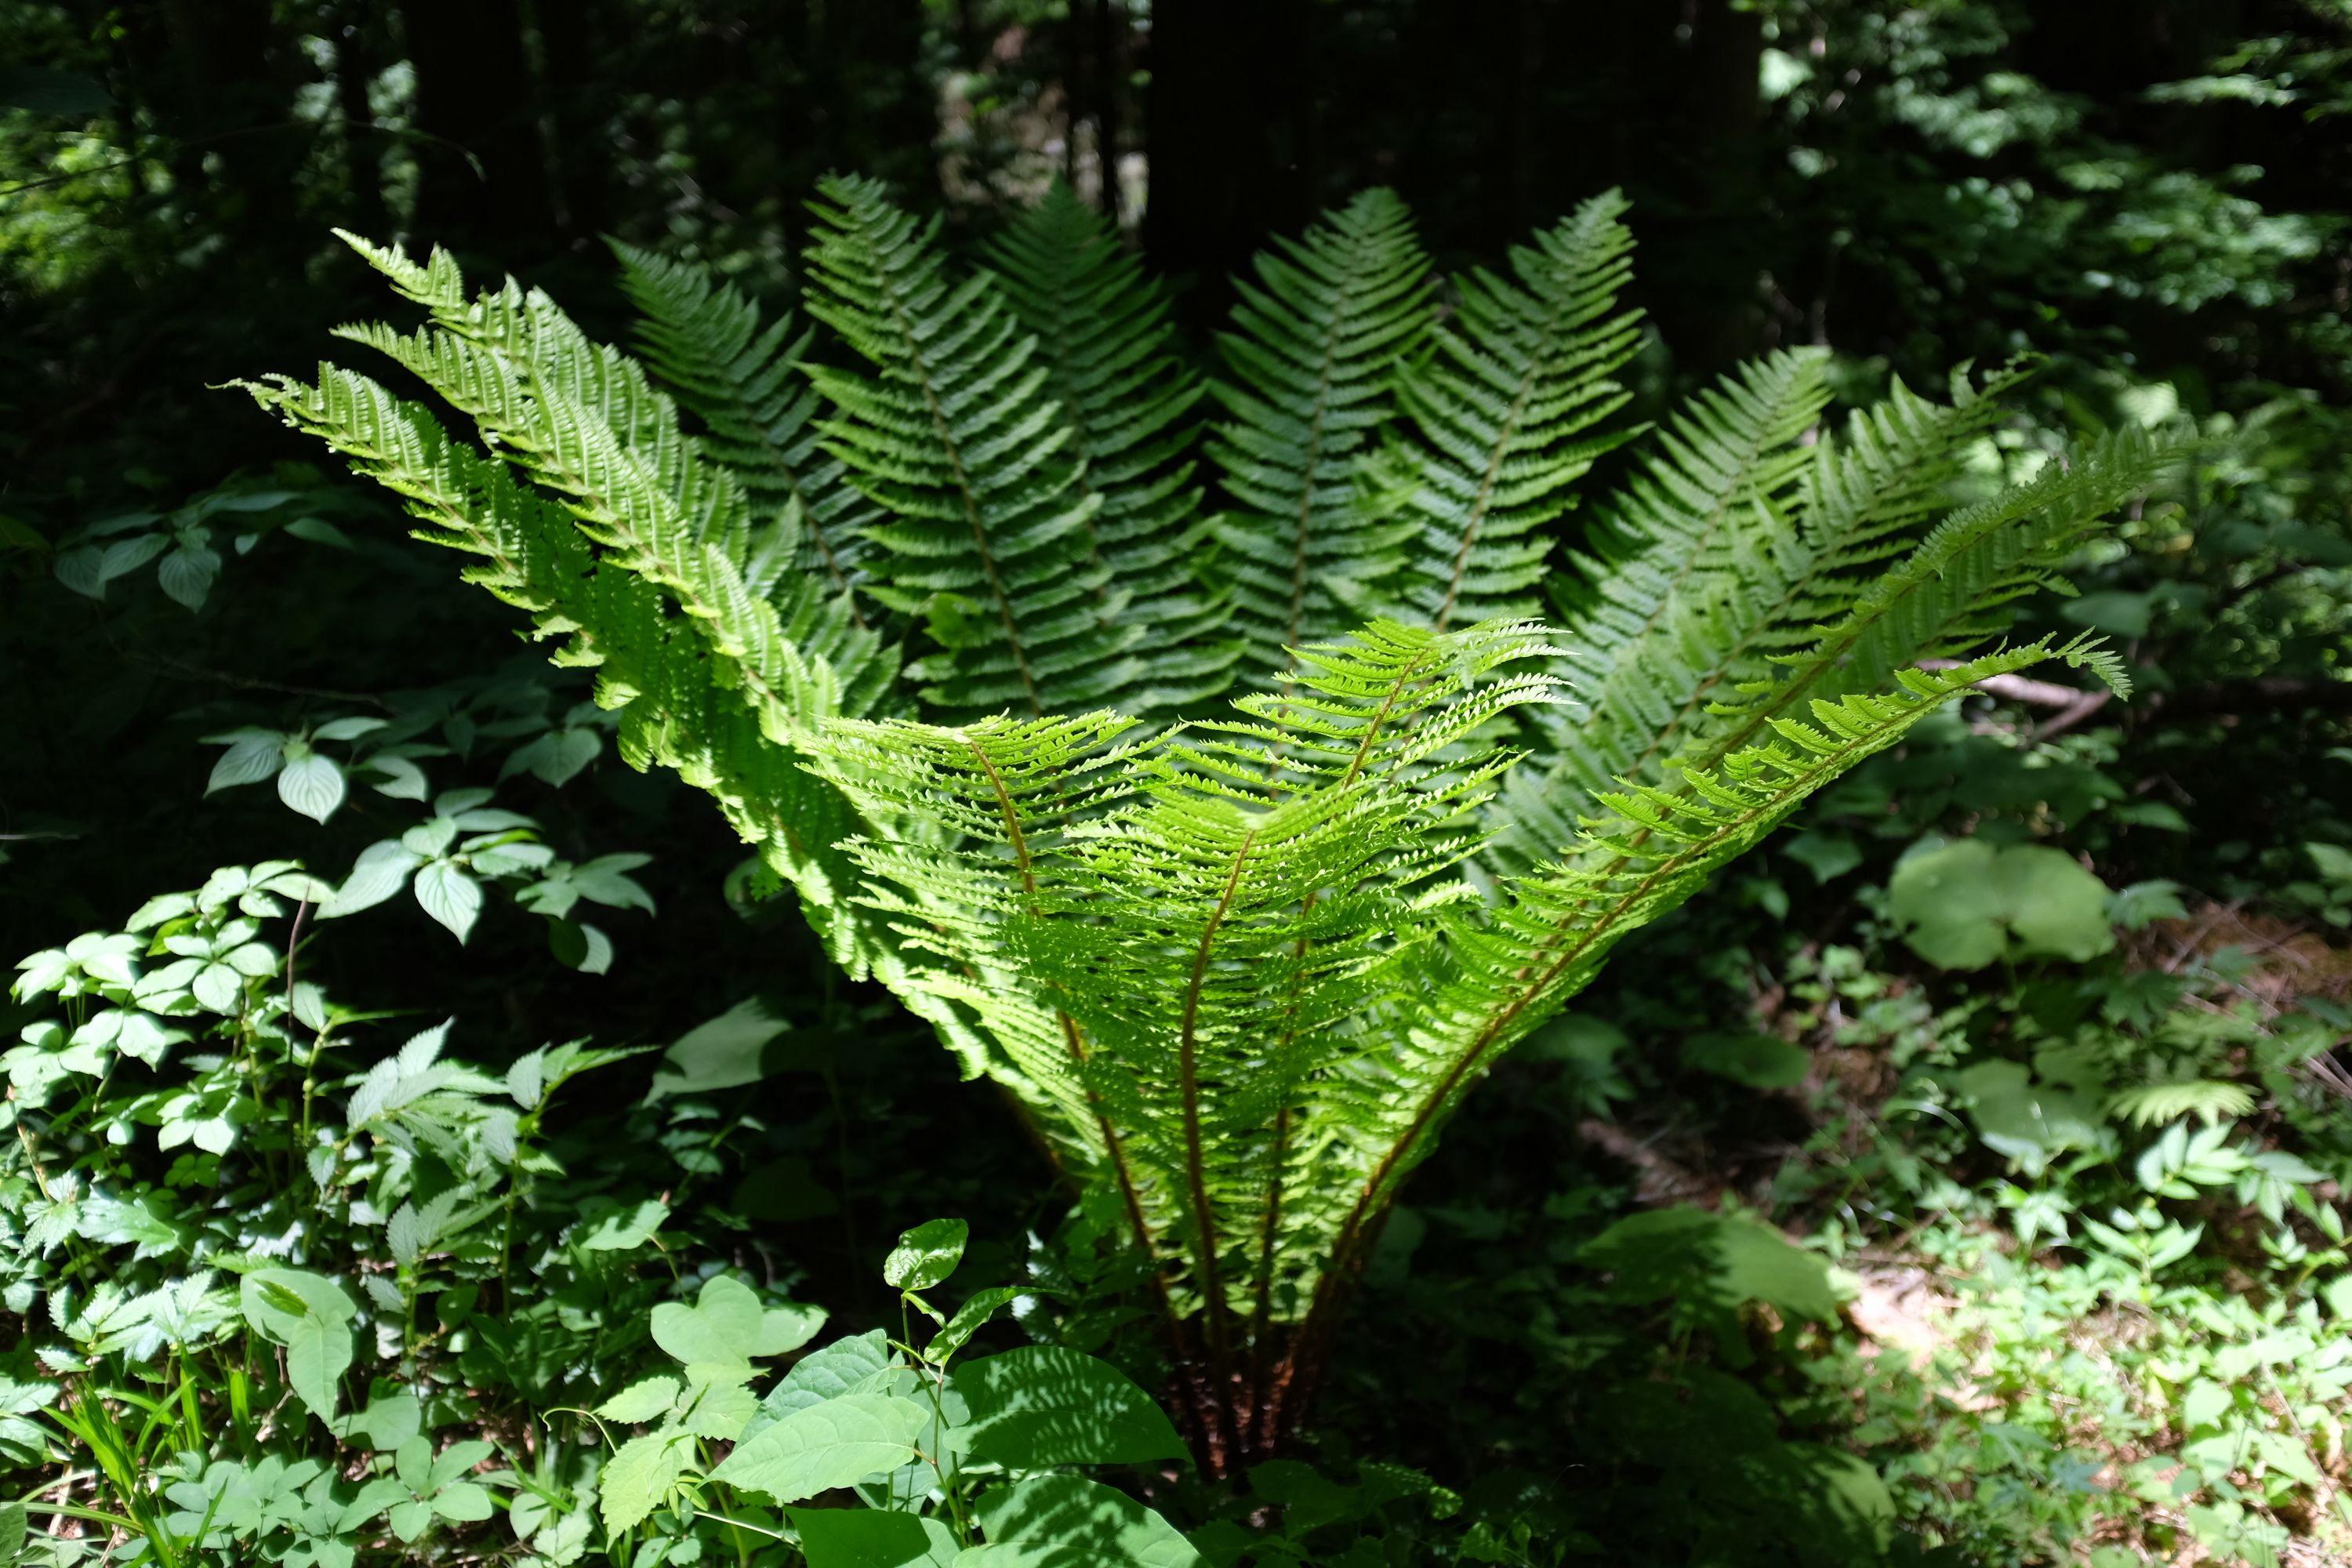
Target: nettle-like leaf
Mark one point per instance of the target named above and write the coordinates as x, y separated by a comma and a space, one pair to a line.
836, 1443
310, 1316
1044, 1406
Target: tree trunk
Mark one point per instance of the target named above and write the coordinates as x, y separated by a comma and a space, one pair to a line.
219, 77
355, 71
481, 180
1110, 54
1229, 129
571, 35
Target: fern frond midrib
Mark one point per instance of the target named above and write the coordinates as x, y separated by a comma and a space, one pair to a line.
1114, 1147
923, 378
1529, 992
1262, 1313
1196, 1162
1537, 364
1334, 333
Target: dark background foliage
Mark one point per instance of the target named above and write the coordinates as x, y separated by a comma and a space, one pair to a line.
2150, 192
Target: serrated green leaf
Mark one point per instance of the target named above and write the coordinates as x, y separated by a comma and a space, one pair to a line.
1048, 1404
648, 1399
925, 1255
873, 1538
1060, 1521
450, 897
311, 1317
638, 1477
836, 1443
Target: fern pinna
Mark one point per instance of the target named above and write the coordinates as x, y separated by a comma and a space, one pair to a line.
951, 638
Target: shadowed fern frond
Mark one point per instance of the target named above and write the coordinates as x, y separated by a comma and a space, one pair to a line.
1500, 410
1314, 348
737, 374
1103, 333
989, 529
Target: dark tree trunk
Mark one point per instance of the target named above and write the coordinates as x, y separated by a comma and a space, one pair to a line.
1109, 55
481, 182
1230, 128
356, 60
571, 34
219, 77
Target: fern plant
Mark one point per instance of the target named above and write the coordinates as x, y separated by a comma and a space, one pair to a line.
1238, 958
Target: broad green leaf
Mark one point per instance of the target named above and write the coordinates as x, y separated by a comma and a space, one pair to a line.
1827, 856
2334, 860
577, 945
1068, 1521
719, 1402
12, 1530
925, 1255
186, 574
1048, 1404
311, 1317
1759, 1061
1963, 905
1714, 1261
381, 871
968, 1321
2027, 1122
606, 880
724, 1053
823, 1374
252, 755
649, 1399
462, 1502
724, 1324
836, 1443
624, 1230
638, 1477
313, 785
450, 897
873, 1538
389, 1421
783, 1330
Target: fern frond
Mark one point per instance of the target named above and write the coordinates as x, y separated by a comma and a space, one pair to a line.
736, 374
1501, 410
1510, 968
1103, 333
652, 664
957, 437
1750, 545
1212, 937
2207, 1099
581, 417
1315, 349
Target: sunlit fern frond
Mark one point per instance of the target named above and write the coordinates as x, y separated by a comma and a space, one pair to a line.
1509, 967
1727, 554
581, 418
1503, 414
